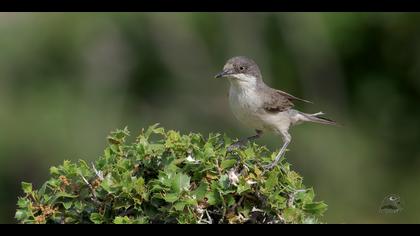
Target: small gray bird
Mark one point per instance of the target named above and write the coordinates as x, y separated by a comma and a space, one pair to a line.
260, 107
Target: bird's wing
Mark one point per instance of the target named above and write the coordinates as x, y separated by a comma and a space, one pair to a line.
277, 101
291, 97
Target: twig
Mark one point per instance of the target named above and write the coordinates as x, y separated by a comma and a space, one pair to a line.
217, 167
210, 221
224, 208
282, 220
200, 218
251, 197
221, 196
291, 199
98, 173
238, 203
92, 190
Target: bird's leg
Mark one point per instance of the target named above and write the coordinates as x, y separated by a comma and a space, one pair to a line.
286, 139
242, 142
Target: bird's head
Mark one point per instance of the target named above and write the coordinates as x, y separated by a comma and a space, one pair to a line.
241, 70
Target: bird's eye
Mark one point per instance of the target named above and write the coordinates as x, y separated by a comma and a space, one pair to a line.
242, 68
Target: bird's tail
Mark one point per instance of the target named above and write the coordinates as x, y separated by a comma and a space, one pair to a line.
317, 118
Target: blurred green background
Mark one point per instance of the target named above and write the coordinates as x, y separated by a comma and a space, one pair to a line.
68, 79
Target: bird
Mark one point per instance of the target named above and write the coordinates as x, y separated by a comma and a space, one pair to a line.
258, 106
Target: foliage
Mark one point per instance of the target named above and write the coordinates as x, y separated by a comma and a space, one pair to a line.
166, 177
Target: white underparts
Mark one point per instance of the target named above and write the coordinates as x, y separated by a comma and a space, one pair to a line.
247, 106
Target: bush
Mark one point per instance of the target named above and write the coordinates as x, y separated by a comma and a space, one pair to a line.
166, 177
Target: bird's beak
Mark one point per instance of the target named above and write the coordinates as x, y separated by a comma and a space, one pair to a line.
222, 74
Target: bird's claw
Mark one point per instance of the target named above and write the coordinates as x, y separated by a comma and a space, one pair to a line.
272, 165
269, 166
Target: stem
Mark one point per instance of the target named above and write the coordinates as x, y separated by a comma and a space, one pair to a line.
92, 190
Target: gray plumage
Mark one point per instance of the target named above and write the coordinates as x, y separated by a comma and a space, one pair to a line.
263, 108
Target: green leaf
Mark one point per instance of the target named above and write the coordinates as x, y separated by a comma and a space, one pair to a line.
277, 201
96, 218
243, 186
46, 198
21, 214
66, 195
230, 200
69, 220
67, 205
54, 170
140, 220
190, 201
108, 184
310, 220
227, 140
249, 152
54, 183
114, 148
118, 137
156, 148
154, 129
122, 220
316, 208
213, 197
226, 164
173, 136
272, 181
27, 187
23, 203
306, 196
179, 206
180, 182
171, 197
121, 204
139, 185
291, 214
224, 182
107, 152
201, 191
79, 205
151, 181
208, 150
41, 191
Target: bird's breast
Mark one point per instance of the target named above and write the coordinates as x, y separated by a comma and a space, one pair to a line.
245, 105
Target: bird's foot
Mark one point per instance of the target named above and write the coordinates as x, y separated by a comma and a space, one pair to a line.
270, 166
239, 144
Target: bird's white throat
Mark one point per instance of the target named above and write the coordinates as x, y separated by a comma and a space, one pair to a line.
244, 89
243, 81
245, 101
